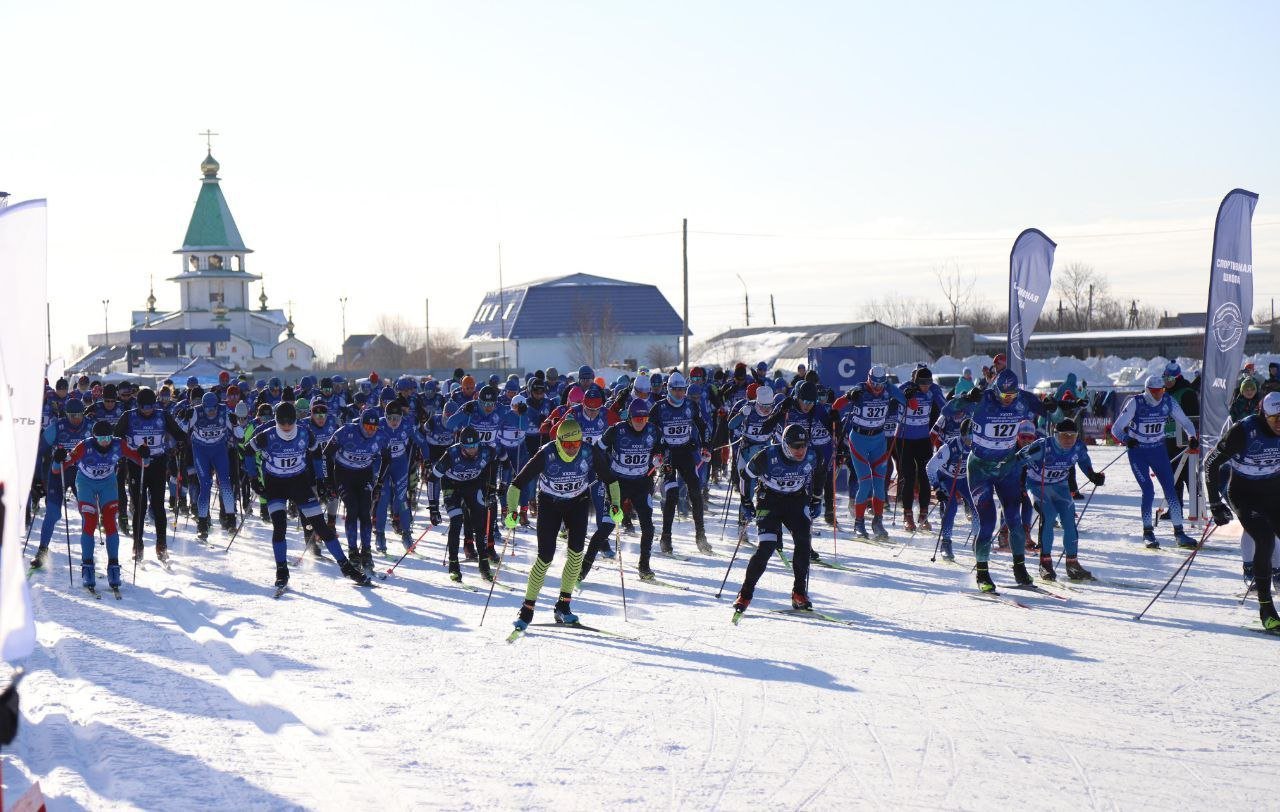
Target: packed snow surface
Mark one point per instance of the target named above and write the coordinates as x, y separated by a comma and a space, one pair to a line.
199, 691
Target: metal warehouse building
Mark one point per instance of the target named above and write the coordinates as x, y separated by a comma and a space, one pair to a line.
785, 347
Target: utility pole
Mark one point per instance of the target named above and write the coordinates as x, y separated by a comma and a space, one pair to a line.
106, 341
1061, 316
746, 300
1088, 317
426, 344
342, 348
685, 252
48, 334
502, 307
773, 313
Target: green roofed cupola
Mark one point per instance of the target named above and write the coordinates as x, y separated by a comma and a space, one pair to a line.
212, 228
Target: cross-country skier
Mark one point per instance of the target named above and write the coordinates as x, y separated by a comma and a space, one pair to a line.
1252, 447
924, 399
1048, 461
210, 430
1141, 426
64, 433
463, 472
994, 470
786, 498
150, 432
95, 461
863, 411
628, 456
355, 455
684, 448
948, 473
563, 472
286, 475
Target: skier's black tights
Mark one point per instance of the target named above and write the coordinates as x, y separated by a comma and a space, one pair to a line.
773, 515
1258, 510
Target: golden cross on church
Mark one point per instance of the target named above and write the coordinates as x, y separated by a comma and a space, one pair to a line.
208, 139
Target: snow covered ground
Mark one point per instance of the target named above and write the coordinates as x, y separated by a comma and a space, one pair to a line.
198, 691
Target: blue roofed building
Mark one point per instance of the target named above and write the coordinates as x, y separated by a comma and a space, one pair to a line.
567, 321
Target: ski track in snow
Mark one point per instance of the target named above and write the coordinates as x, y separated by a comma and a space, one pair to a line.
197, 690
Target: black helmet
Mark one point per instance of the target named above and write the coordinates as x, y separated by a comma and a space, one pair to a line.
286, 412
795, 435
469, 436
396, 406
109, 392
103, 428
807, 391
146, 396
488, 394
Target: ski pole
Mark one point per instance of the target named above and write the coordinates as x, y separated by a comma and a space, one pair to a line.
1186, 563
741, 534
1203, 538
66, 527
1123, 454
408, 550
942, 518
835, 510
622, 581
507, 539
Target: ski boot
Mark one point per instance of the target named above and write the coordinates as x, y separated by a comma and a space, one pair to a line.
42, 556
946, 550
469, 550
1002, 539
1248, 574
162, 554
664, 544
860, 528
282, 575
1075, 572
1046, 568
563, 613
491, 552
740, 605
113, 573
263, 515
923, 521
1149, 538
366, 560
704, 546
436, 518
1020, 574
1267, 614
607, 551
485, 572
526, 616
379, 542
1184, 541
87, 575
1077, 496
455, 571
355, 573
829, 516
406, 540
202, 528
813, 555
985, 583
628, 529
800, 601
877, 527
1275, 579
646, 574
908, 523
137, 552
524, 517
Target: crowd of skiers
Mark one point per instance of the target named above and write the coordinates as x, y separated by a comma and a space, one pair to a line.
561, 451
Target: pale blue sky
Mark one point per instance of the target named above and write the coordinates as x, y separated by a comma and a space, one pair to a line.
383, 149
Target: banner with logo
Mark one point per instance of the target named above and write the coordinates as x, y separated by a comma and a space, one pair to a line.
840, 368
22, 324
1230, 308
1030, 277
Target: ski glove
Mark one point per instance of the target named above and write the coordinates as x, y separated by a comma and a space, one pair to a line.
1221, 513
615, 513
815, 508
144, 451
512, 521
1132, 442
706, 455
59, 454
1097, 477
1193, 444
255, 485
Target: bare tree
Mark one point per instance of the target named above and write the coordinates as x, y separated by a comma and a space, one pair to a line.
593, 334
958, 290
898, 310
662, 356
398, 329
1077, 285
